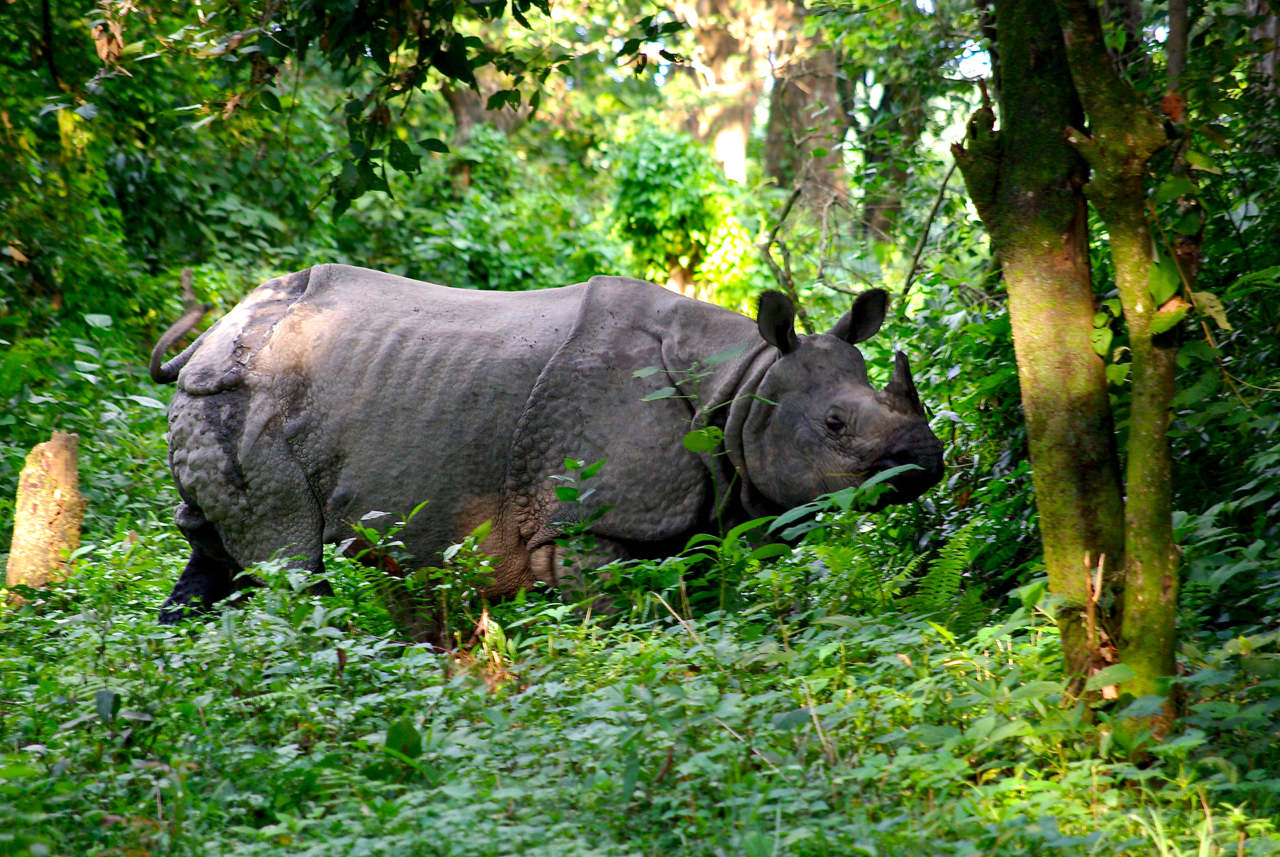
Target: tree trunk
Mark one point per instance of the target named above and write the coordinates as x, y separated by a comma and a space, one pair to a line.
1025, 181
724, 62
47, 516
1125, 136
806, 112
1267, 65
469, 110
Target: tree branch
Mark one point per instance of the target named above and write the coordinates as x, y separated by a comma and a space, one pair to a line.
46, 42
924, 234
784, 277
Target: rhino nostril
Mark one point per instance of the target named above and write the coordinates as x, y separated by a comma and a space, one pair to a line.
889, 462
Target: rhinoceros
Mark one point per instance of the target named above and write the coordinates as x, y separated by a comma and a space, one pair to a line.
337, 391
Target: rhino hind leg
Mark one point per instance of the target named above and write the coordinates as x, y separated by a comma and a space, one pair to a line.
210, 574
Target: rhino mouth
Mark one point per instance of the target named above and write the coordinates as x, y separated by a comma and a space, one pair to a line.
910, 484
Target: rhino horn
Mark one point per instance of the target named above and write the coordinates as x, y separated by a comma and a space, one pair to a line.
901, 385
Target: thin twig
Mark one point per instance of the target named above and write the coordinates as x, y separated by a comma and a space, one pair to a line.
828, 746
763, 757
928, 224
678, 618
784, 277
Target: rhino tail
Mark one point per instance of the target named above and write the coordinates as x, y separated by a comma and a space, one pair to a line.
167, 373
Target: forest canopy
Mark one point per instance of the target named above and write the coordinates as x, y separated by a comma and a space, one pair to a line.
1071, 644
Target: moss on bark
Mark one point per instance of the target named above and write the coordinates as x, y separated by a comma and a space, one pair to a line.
1026, 180
1125, 134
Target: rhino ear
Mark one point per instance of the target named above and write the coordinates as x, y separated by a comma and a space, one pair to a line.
864, 319
776, 320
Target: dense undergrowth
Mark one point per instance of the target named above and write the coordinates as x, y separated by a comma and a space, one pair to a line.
296, 725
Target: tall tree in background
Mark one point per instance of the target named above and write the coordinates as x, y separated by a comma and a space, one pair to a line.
731, 37
807, 118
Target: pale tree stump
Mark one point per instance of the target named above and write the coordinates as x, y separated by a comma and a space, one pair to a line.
46, 521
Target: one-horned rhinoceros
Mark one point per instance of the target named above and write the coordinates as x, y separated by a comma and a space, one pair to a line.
336, 391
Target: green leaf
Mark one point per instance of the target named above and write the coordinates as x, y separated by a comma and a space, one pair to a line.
1009, 730
629, 47
664, 393
1118, 372
1189, 223
1163, 280
147, 401
1101, 319
630, 773
1143, 706
452, 60
107, 703
97, 320
566, 494
481, 532
1202, 161
1174, 187
270, 101
431, 144
1100, 339
572, 464
703, 440
820, 152
1114, 674
402, 158
404, 738
646, 372
593, 469
347, 183
1168, 317
737, 532
1035, 690
18, 771
769, 551
503, 97
727, 354
793, 515
1209, 304
1113, 306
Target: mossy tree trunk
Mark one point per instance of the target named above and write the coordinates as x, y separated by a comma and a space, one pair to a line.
1026, 180
1125, 134
48, 512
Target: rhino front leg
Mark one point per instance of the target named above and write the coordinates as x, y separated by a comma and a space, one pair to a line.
210, 575
574, 572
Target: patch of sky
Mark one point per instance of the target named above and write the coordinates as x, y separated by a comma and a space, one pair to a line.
974, 62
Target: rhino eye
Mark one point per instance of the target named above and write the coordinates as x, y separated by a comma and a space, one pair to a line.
834, 424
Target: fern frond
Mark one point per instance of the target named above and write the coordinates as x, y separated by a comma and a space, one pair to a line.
939, 591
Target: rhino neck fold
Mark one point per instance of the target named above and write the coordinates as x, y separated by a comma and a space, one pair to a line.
723, 399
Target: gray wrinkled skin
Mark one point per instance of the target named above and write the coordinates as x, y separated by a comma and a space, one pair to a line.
336, 391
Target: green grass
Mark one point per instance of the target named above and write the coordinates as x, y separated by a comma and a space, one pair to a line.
294, 725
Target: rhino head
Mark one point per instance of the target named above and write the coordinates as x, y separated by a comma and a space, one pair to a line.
829, 429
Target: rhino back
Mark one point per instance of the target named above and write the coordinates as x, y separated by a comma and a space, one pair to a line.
407, 392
